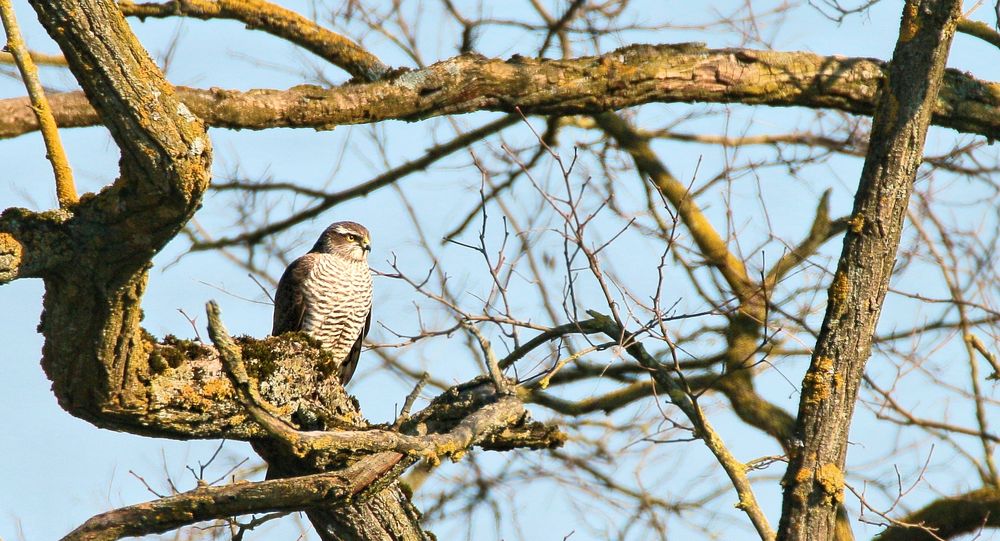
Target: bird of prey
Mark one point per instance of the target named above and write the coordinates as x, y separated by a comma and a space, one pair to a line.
328, 294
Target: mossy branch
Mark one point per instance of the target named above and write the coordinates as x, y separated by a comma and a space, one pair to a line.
331, 489
328, 447
980, 30
627, 77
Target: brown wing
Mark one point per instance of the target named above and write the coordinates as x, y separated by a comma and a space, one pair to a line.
351, 362
289, 300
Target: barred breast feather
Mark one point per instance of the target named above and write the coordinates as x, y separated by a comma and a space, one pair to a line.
330, 298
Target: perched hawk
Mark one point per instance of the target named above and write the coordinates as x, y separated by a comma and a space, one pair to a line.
328, 294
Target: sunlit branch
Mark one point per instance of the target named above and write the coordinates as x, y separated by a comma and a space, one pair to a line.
40, 59
215, 502
65, 188
275, 20
641, 74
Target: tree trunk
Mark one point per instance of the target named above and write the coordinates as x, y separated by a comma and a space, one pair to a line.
814, 481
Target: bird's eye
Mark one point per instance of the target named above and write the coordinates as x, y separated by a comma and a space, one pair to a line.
351, 237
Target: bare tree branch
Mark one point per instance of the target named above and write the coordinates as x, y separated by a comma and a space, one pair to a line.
65, 188
636, 75
279, 21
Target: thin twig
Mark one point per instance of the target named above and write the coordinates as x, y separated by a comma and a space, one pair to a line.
735, 469
65, 189
404, 413
499, 381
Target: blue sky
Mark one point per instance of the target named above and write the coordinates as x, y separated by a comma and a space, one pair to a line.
57, 470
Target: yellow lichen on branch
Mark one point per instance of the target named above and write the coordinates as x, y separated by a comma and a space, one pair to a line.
817, 383
65, 189
911, 22
839, 291
857, 223
10, 256
831, 480
914, 81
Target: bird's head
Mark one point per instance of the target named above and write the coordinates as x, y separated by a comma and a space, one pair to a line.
346, 239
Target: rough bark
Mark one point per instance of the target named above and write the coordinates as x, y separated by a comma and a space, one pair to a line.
814, 480
207, 503
100, 365
626, 77
189, 395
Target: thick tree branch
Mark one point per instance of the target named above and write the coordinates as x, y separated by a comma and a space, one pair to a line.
335, 434
588, 85
242, 498
814, 480
123, 83
31, 244
980, 30
496, 413
948, 517
276, 20
94, 255
100, 269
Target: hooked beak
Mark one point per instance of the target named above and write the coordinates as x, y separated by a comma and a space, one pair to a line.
366, 245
